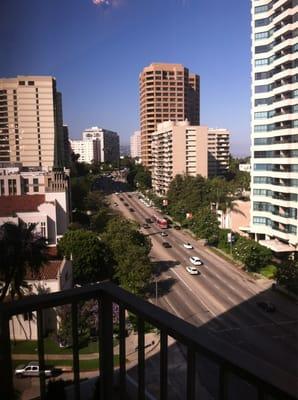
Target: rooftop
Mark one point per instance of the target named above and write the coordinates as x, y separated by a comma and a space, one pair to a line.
24, 203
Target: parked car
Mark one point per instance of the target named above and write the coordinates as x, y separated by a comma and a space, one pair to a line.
32, 369
166, 245
163, 234
187, 246
126, 204
131, 209
192, 270
177, 227
195, 260
146, 226
266, 306
121, 198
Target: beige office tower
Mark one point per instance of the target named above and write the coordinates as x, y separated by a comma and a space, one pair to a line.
178, 148
31, 127
167, 92
218, 151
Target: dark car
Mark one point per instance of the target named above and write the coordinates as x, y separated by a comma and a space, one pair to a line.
126, 204
266, 306
166, 245
148, 220
146, 226
131, 209
177, 227
121, 198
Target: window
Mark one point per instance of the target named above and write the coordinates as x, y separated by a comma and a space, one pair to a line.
260, 9
31, 83
261, 61
259, 115
262, 22
43, 229
35, 185
22, 83
1, 187
260, 128
26, 185
12, 187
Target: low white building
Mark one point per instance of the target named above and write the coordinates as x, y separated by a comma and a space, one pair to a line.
55, 276
36, 197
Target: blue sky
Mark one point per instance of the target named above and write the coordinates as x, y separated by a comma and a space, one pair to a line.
96, 52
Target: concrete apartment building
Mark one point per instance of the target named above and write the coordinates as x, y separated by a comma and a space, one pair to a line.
135, 145
274, 117
178, 148
107, 146
218, 151
167, 92
87, 150
31, 124
36, 196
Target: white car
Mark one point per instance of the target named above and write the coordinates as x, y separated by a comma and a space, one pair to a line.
192, 270
32, 369
163, 234
187, 246
195, 260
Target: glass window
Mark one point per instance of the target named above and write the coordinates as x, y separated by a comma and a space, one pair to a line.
261, 61
261, 35
259, 115
35, 185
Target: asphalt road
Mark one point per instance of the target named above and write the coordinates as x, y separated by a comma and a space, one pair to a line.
222, 299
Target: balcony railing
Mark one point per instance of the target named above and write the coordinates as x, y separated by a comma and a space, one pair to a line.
266, 380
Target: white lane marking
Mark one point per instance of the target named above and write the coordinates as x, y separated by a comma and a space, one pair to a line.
172, 307
232, 287
204, 304
186, 284
228, 297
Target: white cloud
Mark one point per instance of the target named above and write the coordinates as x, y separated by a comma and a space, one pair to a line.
101, 2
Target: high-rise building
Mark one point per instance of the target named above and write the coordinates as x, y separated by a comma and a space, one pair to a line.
107, 141
167, 92
178, 148
87, 150
31, 127
218, 151
274, 115
135, 145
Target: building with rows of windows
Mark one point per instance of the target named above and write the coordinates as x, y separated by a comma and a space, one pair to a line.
274, 116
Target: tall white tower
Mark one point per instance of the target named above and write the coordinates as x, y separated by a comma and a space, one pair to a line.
274, 116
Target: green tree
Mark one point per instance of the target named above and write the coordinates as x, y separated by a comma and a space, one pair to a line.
21, 251
287, 274
130, 250
79, 190
253, 255
100, 220
205, 225
94, 200
90, 255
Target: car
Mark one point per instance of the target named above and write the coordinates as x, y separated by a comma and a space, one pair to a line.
131, 209
187, 246
116, 204
146, 226
148, 220
266, 306
163, 234
32, 369
121, 198
177, 227
129, 195
126, 204
166, 245
195, 260
192, 270
116, 193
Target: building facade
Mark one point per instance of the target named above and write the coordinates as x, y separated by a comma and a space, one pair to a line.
31, 123
274, 116
36, 197
218, 151
85, 149
107, 147
178, 148
167, 92
135, 145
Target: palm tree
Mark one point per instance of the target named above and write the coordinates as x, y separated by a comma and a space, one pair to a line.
21, 251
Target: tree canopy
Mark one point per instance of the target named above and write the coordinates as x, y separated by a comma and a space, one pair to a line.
287, 274
252, 254
90, 255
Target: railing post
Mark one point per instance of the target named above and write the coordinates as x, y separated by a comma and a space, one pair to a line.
75, 349
6, 385
106, 347
191, 374
141, 359
122, 355
40, 346
223, 384
163, 365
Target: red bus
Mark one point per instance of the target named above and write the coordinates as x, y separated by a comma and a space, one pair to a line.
161, 222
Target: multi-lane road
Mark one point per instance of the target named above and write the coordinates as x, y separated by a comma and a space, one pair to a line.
222, 299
